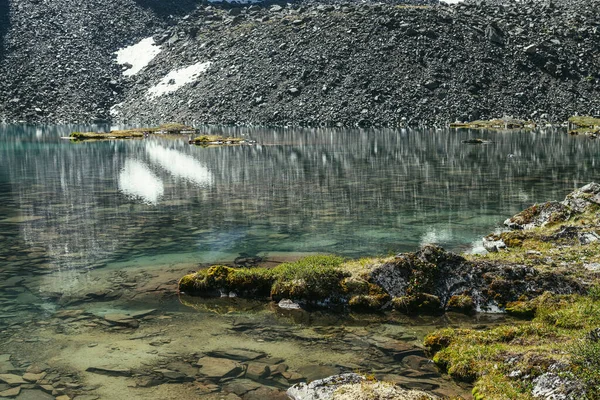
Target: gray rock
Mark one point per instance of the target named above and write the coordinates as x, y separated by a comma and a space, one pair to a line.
288, 304
322, 389
493, 246
551, 386
588, 237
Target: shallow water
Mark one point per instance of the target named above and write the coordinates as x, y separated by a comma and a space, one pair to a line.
108, 227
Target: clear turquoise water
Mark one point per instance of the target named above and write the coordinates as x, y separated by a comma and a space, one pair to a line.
109, 227
349, 192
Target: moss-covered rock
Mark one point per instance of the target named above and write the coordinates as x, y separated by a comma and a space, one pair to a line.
461, 303
421, 303
168, 128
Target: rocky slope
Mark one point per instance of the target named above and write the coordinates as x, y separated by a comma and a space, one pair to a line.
306, 63
56, 60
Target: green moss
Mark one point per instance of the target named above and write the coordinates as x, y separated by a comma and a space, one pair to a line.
461, 303
554, 335
585, 121
313, 278
420, 303
521, 309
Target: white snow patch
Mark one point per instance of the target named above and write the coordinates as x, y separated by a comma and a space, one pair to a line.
179, 164
177, 79
115, 110
138, 55
136, 180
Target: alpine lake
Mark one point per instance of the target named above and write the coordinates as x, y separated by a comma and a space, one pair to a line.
94, 236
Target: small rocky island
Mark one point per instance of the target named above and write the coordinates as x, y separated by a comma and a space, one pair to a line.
164, 129
543, 270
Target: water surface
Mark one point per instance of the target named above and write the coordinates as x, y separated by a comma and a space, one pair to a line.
107, 227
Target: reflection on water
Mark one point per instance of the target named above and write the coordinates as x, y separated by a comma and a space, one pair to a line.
351, 192
136, 180
179, 164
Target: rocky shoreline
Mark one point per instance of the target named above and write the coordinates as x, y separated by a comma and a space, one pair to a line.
334, 64
543, 267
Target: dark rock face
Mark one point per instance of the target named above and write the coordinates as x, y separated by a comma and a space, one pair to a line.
306, 63
433, 271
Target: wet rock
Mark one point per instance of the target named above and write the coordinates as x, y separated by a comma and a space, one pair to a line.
218, 368
110, 371
12, 379
6, 365
265, 393
34, 395
122, 319
12, 392
237, 354
316, 372
33, 377
64, 314
241, 386
173, 376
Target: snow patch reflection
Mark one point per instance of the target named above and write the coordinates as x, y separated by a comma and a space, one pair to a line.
136, 180
179, 164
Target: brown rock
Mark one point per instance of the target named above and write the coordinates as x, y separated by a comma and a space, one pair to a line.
256, 371
12, 392
218, 368
33, 377
11, 379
